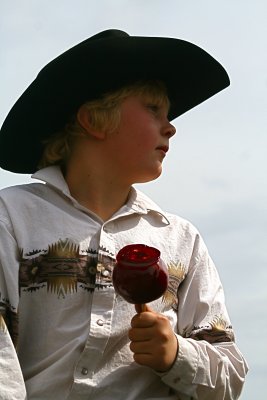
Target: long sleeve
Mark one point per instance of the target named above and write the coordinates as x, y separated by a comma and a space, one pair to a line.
209, 365
11, 380
12, 385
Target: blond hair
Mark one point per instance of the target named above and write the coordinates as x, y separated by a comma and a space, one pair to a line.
104, 115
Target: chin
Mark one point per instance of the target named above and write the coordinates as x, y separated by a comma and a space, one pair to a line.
150, 178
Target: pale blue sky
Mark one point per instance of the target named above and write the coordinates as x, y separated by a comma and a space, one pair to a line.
215, 173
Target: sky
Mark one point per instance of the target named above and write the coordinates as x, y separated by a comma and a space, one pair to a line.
215, 172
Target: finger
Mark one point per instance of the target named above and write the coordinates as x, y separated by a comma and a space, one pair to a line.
143, 320
144, 359
140, 334
157, 356
140, 347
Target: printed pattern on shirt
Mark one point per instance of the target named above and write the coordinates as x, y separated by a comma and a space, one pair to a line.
5, 303
9, 321
63, 266
177, 273
3, 327
215, 332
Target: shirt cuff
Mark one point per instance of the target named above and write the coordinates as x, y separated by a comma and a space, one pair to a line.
181, 375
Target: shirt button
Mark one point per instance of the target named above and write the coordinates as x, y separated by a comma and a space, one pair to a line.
84, 371
100, 322
105, 273
108, 228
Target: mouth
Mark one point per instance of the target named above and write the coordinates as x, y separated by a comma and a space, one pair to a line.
164, 149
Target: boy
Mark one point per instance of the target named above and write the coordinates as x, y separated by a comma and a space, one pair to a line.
94, 122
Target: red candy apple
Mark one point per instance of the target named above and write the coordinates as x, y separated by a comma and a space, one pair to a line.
139, 275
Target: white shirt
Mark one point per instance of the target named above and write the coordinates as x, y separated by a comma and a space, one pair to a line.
71, 329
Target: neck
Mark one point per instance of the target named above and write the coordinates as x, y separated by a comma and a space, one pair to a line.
98, 192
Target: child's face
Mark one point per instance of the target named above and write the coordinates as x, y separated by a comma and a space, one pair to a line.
141, 141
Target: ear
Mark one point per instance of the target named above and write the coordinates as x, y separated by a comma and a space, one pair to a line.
83, 117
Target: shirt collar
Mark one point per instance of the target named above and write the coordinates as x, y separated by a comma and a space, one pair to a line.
140, 203
137, 202
53, 176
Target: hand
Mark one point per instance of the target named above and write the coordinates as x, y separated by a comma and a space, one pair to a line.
153, 341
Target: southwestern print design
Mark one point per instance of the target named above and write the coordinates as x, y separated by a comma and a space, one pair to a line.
215, 332
177, 273
63, 266
9, 321
3, 327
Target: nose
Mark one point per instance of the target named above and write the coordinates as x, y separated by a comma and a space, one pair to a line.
169, 130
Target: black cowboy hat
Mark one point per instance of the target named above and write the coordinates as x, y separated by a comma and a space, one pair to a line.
104, 62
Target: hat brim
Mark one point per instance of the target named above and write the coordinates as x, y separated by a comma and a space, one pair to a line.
95, 67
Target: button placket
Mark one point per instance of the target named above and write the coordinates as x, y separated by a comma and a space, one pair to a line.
101, 311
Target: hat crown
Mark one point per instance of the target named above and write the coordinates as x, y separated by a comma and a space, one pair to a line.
109, 34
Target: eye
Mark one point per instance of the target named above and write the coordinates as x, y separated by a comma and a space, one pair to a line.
153, 107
